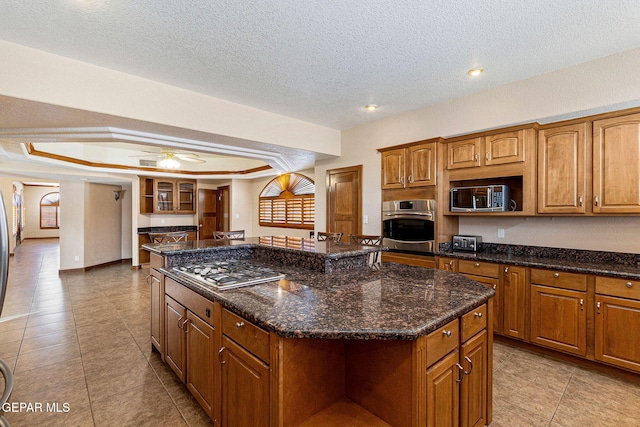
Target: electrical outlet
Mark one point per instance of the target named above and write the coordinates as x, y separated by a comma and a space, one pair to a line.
76, 258
500, 233
365, 219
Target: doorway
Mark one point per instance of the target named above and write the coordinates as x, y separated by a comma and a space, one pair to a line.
344, 201
213, 211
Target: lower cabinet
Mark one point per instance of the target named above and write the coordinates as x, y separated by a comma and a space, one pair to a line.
558, 310
156, 281
514, 288
617, 322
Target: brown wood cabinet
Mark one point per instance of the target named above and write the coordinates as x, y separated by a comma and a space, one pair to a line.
489, 274
156, 281
167, 196
563, 168
412, 166
175, 350
448, 264
474, 387
617, 309
616, 164
558, 310
443, 392
514, 291
489, 150
409, 259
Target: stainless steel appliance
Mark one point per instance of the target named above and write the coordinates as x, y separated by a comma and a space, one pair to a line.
5, 370
467, 243
223, 275
409, 225
481, 198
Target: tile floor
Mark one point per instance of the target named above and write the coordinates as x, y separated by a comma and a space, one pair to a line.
83, 339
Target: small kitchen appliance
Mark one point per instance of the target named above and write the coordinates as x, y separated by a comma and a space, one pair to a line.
467, 243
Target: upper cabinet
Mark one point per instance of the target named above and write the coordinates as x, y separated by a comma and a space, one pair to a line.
562, 169
487, 150
167, 196
412, 166
616, 165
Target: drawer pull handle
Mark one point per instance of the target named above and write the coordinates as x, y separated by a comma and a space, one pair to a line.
180, 324
470, 365
185, 328
581, 304
477, 264
447, 334
239, 325
495, 286
556, 275
222, 362
506, 269
629, 284
597, 201
461, 376
479, 315
580, 200
598, 307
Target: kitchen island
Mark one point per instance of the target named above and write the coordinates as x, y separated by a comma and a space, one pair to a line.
400, 346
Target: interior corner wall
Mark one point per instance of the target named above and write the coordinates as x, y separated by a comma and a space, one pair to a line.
31, 203
72, 230
126, 249
6, 185
606, 84
102, 224
242, 207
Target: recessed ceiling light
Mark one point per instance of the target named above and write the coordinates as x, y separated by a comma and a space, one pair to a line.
475, 72
371, 107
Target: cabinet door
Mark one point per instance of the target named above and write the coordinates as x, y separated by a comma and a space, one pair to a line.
443, 392
448, 264
616, 339
393, 169
200, 361
163, 196
421, 165
504, 148
175, 349
514, 286
245, 387
616, 165
562, 157
157, 310
186, 197
494, 284
559, 319
473, 388
464, 154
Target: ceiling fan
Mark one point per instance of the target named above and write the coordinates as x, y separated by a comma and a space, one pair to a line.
169, 158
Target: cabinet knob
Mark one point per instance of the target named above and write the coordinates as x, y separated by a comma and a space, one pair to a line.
581, 304
476, 264
629, 284
478, 315
239, 325
598, 307
475, 157
506, 269
447, 334
580, 200
556, 275
596, 199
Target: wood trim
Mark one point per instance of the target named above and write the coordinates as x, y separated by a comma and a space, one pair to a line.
33, 152
410, 144
91, 267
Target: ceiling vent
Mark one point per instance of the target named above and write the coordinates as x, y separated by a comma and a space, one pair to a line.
151, 163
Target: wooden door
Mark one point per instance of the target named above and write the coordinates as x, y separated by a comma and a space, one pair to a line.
559, 319
443, 392
473, 388
421, 165
393, 169
514, 285
616, 165
562, 160
245, 387
504, 148
207, 212
157, 311
201, 350
617, 341
175, 350
464, 154
344, 201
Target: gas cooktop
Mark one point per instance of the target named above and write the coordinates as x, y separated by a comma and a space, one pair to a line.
228, 274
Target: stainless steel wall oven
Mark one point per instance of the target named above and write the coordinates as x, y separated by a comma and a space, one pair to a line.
409, 225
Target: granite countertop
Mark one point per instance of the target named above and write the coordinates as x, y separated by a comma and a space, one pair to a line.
621, 265
395, 302
326, 249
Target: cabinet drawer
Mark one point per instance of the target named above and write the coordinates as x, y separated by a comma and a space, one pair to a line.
442, 341
618, 287
245, 333
156, 261
473, 322
487, 269
197, 304
559, 279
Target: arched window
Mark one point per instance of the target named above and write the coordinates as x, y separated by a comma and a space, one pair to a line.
50, 210
288, 201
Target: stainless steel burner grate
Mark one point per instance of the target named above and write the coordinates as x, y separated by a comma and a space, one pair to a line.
229, 274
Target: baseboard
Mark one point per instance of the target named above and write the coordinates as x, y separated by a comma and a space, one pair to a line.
91, 267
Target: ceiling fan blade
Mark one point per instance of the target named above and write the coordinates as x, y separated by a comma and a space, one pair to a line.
189, 159
148, 155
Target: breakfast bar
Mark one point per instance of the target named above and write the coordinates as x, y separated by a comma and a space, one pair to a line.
331, 341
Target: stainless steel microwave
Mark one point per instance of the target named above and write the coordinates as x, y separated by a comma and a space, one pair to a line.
481, 198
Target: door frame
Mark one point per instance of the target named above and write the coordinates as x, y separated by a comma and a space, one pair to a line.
358, 170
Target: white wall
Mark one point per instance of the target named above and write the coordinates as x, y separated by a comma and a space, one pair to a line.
102, 225
607, 84
243, 207
72, 235
6, 185
32, 196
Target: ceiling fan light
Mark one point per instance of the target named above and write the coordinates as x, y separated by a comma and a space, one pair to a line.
169, 163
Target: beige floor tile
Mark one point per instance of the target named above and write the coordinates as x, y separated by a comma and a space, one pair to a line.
12, 324
43, 319
505, 414
47, 356
43, 341
49, 328
116, 378
10, 349
11, 336
77, 416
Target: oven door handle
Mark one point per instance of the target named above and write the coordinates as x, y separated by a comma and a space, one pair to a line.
400, 215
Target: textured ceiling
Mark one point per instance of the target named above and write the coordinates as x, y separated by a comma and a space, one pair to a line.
322, 61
